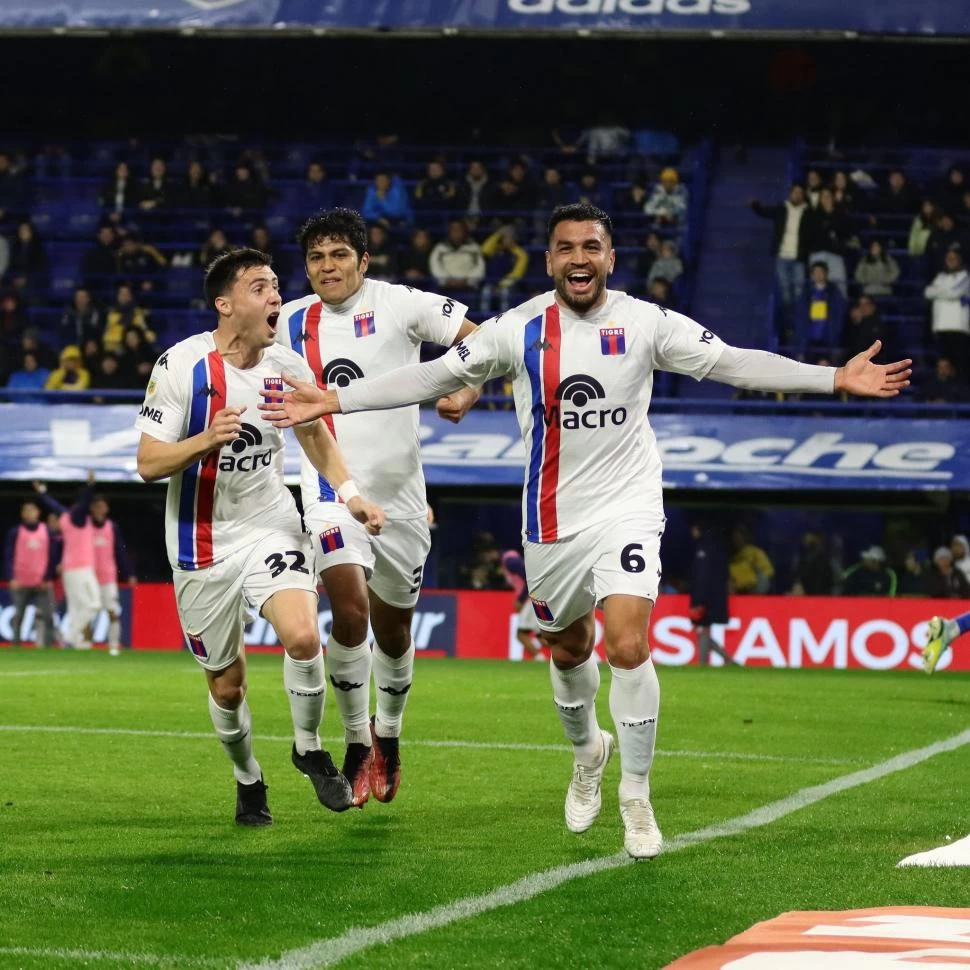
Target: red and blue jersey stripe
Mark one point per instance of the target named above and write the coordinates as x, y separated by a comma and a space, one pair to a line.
304, 328
198, 490
542, 366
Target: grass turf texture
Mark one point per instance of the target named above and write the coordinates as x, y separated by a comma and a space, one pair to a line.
124, 844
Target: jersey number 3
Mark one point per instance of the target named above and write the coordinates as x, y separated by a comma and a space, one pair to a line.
277, 565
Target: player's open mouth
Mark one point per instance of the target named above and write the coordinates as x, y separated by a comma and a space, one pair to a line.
330, 281
273, 319
580, 282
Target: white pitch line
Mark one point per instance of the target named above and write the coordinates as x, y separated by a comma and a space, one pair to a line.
326, 953
422, 743
102, 956
49, 673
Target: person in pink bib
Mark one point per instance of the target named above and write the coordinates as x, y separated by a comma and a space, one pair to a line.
30, 569
77, 563
110, 559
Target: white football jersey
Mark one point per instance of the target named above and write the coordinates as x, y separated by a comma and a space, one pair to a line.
582, 388
235, 496
380, 328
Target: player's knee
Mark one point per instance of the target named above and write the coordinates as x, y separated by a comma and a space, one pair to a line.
350, 623
395, 641
228, 696
628, 649
568, 649
303, 643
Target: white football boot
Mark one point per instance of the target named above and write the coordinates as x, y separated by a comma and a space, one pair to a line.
584, 798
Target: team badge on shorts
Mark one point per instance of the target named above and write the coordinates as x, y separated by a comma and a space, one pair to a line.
542, 610
272, 384
196, 645
331, 540
612, 341
364, 324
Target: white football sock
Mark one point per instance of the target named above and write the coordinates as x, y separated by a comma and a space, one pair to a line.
306, 686
392, 678
350, 675
574, 692
235, 731
635, 705
114, 634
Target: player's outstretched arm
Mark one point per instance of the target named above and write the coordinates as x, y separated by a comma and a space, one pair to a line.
325, 456
395, 389
758, 370
160, 459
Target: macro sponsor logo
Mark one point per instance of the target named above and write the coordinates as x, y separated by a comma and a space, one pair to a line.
239, 461
341, 372
635, 8
579, 390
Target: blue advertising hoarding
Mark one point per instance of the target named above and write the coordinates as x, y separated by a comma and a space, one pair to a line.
921, 17
708, 451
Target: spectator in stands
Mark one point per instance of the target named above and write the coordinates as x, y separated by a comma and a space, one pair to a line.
380, 153
137, 356
589, 191
516, 194
457, 262
648, 255
950, 293
13, 192
139, 261
13, 316
484, 571
911, 581
383, 257
633, 198
109, 376
921, 228
820, 314
946, 385
942, 580
435, 192
387, 201
123, 316
896, 198
246, 191
950, 194
828, 239
317, 192
870, 576
661, 292
27, 271
81, 321
844, 192
814, 573
960, 547
215, 246
708, 581
196, 191
604, 142
261, 239
552, 191
877, 271
30, 376
668, 265
667, 205
864, 325
101, 259
789, 243
415, 262
943, 238
119, 192
32, 342
71, 375
91, 355
476, 194
750, 569
813, 186
505, 265
156, 190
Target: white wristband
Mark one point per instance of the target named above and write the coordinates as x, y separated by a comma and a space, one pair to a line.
347, 491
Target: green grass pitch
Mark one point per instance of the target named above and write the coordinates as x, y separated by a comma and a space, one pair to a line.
119, 849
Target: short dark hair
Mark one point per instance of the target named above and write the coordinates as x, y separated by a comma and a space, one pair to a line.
579, 212
345, 224
223, 271
819, 265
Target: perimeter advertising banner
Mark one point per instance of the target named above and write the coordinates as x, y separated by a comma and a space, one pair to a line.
864, 16
765, 631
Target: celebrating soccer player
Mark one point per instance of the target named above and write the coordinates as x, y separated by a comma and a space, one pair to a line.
582, 360
349, 328
234, 536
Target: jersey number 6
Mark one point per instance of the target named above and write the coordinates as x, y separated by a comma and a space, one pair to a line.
276, 564
630, 561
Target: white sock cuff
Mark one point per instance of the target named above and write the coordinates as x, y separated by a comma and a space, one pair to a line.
395, 663
305, 674
646, 669
573, 677
228, 720
338, 653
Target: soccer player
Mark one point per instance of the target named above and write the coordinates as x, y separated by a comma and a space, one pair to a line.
581, 360
526, 623
110, 558
30, 568
349, 327
77, 563
234, 536
940, 634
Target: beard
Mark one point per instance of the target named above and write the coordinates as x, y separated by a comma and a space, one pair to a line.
580, 303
